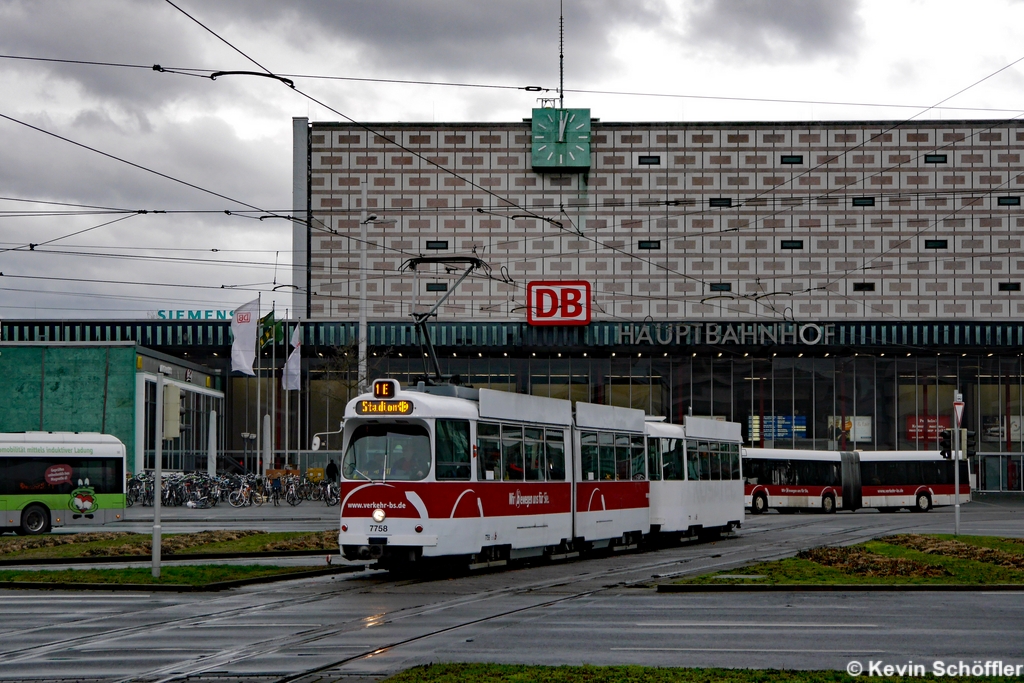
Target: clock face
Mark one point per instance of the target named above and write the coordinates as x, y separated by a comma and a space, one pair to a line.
561, 139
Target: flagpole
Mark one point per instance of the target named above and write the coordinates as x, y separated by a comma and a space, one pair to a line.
259, 369
273, 390
287, 411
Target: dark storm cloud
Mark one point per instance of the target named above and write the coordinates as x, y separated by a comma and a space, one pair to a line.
776, 30
457, 37
100, 30
204, 151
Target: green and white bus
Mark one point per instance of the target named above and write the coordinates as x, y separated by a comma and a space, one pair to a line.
50, 479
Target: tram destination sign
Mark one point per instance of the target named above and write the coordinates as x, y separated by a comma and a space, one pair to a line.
725, 334
369, 407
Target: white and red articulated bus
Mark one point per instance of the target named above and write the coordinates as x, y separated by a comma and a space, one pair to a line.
447, 471
789, 480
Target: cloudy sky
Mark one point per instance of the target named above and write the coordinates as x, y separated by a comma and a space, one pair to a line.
68, 129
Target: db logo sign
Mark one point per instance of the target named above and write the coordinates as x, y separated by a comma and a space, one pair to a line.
558, 302
243, 318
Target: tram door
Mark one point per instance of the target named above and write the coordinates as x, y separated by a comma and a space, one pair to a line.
851, 480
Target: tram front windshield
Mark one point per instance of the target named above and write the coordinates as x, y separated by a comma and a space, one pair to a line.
388, 451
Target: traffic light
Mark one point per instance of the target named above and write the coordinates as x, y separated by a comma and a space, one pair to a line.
946, 443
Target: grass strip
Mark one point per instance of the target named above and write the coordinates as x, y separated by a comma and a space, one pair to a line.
982, 561
126, 544
182, 575
495, 673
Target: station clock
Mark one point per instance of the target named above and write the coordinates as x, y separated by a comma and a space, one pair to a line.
561, 139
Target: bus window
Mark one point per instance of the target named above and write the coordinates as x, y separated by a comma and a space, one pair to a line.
452, 438
623, 457
606, 451
654, 458
512, 452
892, 473
533, 452
488, 448
753, 471
556, 455
588, 456
399, 451
913, 473
637, 471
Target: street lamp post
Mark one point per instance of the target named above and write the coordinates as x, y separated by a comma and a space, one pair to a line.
364, 220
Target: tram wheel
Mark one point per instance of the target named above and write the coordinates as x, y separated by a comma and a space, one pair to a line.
758, 504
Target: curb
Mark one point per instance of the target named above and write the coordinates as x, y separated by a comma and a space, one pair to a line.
175, 588
834, 588
168, 556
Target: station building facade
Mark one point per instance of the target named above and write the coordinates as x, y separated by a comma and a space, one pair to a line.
826, 285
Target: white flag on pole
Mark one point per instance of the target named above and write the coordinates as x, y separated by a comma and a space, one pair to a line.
293, 366
244, 324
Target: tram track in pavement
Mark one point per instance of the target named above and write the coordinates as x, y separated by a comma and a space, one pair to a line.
214, 609
781, 539
714, 556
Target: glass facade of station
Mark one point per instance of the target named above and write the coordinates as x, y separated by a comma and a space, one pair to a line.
871, 387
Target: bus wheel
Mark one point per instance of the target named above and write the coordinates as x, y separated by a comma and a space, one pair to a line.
828, 504
758, 504
923, 503
35, 519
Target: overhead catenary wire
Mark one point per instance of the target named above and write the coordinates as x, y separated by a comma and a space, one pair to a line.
322, 102
204, 72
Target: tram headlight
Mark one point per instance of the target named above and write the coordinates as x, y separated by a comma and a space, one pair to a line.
379, 515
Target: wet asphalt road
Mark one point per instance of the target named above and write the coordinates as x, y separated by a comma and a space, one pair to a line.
599, 611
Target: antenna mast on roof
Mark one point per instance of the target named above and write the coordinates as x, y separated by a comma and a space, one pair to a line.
561, 57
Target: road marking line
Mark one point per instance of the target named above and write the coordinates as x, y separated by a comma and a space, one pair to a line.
743, 649
703, 624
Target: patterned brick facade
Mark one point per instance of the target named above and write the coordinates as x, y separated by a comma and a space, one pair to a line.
821, 221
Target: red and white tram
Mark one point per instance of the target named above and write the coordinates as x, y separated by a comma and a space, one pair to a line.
789, 480
488, 476
695, 475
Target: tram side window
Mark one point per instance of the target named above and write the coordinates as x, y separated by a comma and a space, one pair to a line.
654, 459
606, 452
623, 457
512, 452
672, 459
637, 470
705, 460
533, 452
453, 456
734, 461
589, 456
488, 446
716, 461
556, 454
692, 461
